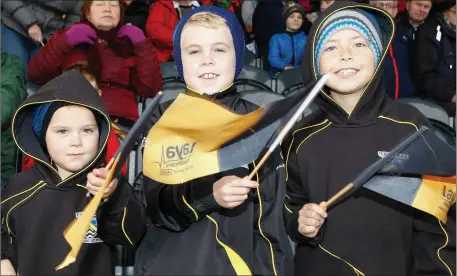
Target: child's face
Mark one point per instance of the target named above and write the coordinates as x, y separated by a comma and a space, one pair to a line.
348, 61
208, 58
71, 143
294, 22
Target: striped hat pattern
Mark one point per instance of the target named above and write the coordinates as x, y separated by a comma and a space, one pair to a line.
355, 19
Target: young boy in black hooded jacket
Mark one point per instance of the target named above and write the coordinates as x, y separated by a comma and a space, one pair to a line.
219, 224
365, 233
64, 128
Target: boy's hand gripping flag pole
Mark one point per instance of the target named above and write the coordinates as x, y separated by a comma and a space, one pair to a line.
76, 230
308, 100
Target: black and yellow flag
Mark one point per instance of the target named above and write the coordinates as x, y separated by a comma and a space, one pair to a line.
196, 137
420, 172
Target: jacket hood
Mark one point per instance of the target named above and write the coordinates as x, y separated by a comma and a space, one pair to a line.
373, 100
70, 87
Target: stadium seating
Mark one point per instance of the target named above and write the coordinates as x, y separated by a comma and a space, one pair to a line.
253, 78
289, 82
428, 108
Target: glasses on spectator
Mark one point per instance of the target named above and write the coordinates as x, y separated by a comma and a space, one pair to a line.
385, 6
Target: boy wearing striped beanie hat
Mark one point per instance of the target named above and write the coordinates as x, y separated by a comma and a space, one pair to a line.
348, 46
365, 232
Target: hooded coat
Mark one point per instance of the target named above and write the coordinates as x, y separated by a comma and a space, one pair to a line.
189, 230
365, 233
38, 205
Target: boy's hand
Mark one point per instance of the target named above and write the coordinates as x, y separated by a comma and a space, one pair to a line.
232, 191
310, 219
95, 181
288, 67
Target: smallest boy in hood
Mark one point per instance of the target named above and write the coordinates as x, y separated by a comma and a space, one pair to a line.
64, 128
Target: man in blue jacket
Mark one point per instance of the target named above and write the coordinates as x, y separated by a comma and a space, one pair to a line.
397, 72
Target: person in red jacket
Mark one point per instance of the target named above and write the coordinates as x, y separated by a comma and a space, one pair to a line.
119, 56
162, 20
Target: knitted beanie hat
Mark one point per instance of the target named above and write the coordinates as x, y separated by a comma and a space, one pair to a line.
355, 19
292, 7
233, 25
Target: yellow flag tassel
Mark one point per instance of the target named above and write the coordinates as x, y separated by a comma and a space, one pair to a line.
76, 230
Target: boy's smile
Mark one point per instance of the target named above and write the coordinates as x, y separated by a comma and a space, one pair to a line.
348, 61
208, 57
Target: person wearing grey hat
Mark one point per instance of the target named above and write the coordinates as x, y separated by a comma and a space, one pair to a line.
286, 49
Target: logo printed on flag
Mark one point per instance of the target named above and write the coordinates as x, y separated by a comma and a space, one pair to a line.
175, 158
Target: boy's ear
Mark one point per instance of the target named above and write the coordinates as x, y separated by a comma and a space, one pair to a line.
100, 92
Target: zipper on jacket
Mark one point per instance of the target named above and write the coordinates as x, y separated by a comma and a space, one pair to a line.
260, 227
238, 264
357, 271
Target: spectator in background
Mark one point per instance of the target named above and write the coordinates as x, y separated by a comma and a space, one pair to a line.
286, 49
247, 12
266, 22
28, 24
434, 55
313, 12
13, 94
137, 13
325, 4
397, 70
390, 6
162, 20
119, 56
417, 11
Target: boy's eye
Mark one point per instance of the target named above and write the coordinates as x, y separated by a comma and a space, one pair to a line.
360, 45
88, 130
330, 48
62, 131
220, 50
193, 52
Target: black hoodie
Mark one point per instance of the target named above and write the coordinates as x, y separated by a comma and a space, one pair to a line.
190, 230
365, 233
37, 206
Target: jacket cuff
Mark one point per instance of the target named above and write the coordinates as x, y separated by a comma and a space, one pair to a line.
202, 199
119, 199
